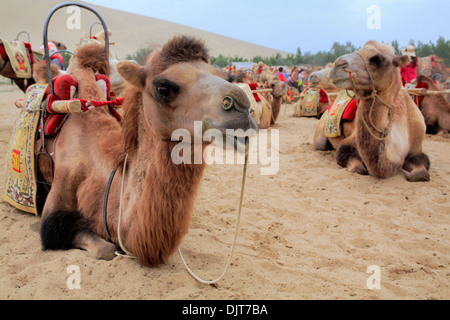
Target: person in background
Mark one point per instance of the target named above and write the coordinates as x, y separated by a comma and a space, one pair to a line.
409, 72
294, 78
280, 74
55, 58
301, 79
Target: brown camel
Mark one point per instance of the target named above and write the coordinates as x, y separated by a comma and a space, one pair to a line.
435, 109
176, 87
431, 65
319, 80
269, 104
7, 71
387, 133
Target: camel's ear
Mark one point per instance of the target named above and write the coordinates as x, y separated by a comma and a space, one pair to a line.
132, 73
401, 61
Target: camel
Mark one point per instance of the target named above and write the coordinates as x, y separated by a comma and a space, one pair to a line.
387, 133
118, 83
7, 71
269, 104
319, 80
430, 65
175, 88
435, 109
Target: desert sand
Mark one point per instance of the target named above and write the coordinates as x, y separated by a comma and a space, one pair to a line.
310, 231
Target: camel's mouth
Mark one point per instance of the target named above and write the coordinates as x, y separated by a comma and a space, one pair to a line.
232, 135
342, 83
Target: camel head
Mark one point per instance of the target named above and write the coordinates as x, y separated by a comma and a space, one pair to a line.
321, 77
278, 87
179, 87
378, 59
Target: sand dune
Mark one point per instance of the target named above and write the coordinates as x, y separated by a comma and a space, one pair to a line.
130, 31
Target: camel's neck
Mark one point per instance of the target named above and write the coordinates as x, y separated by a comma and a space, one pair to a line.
376, 118
162, 212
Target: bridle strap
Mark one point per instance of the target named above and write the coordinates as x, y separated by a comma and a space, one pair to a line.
105, 201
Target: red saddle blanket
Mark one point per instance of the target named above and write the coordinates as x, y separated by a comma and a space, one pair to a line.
350, 111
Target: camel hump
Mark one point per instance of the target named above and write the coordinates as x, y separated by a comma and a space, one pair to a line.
92, 55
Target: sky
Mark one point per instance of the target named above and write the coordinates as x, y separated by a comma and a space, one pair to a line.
312, 26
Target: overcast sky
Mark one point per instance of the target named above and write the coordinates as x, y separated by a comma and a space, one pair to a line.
309, 25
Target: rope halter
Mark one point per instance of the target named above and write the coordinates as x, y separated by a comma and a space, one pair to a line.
379, 134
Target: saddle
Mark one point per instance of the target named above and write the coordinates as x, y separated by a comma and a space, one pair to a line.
342, 110
21, 188
311, 102
20, 56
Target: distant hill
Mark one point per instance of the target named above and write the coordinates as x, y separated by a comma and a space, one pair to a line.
130, 32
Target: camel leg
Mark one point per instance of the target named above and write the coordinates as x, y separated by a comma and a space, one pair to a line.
63, 227
348, 157
416, 167
320, 141
63, 230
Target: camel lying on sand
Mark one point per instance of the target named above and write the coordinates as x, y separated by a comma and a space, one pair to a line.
435, 109
269, 104
176, 87
387, 133
319, 80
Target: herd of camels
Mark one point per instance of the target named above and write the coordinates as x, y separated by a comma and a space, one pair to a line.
151, 199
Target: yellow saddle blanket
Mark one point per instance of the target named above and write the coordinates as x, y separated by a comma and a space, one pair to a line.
335, 113
18, 56
310, 103
21, 189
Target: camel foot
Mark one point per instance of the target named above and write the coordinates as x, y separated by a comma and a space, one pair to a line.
356, 166
103, 250
417, 175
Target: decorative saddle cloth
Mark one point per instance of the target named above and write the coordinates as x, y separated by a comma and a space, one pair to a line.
343, 109
19, 57
20, 190
426, 65
311, 101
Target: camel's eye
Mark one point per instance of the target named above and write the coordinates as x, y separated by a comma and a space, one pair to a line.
165, 89
377, 61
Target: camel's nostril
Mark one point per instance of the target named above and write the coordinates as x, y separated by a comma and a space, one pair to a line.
227, 103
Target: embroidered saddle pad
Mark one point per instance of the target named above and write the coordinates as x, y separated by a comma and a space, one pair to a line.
18, 56
425, 66
310, 103
21, 189
336, 113
255, 108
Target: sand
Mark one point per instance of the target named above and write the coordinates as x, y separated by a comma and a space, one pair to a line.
311, 231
